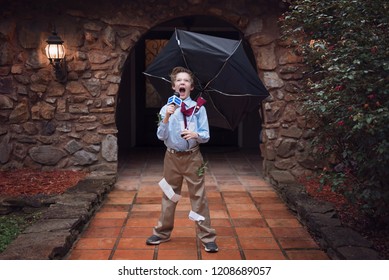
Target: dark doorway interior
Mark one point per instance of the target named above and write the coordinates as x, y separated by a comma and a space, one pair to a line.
136, 114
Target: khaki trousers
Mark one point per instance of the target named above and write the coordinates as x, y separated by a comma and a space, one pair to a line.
177, 167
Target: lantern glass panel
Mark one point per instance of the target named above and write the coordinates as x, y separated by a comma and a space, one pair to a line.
55, 51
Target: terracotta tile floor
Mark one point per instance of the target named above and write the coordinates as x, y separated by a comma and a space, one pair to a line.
252, 222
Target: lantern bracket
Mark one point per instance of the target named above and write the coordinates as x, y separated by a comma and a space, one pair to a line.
55, 52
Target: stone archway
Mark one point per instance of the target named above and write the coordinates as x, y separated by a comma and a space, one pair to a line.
46, 124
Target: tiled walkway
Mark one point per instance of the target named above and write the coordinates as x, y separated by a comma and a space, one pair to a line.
251, 221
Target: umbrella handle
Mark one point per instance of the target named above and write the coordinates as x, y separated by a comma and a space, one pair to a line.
190, 119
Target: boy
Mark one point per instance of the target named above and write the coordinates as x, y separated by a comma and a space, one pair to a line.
182, 135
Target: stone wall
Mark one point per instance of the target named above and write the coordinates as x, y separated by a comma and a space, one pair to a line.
286, 131
46, 124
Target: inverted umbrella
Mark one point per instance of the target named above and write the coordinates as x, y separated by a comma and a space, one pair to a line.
223, 74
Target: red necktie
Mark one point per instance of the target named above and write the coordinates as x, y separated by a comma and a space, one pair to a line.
186, 112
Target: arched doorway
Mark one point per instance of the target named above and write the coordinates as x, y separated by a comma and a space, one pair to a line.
136, 114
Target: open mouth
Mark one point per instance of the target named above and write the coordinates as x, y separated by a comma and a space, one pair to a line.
182, 90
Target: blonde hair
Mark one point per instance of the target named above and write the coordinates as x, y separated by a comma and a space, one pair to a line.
180, 69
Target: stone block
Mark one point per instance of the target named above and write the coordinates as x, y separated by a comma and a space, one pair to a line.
52, 225
46, 155
282, 176
358, 253
39, 246
341, 236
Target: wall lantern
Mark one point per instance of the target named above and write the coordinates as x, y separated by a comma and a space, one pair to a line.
55, 52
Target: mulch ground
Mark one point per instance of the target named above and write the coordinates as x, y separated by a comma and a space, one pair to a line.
26, 182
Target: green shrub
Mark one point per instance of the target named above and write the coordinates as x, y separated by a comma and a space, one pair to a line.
345, 90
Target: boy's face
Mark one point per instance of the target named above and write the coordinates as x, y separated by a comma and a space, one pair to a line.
183, 85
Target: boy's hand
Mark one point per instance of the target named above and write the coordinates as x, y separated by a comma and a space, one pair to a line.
187, 134
170, 109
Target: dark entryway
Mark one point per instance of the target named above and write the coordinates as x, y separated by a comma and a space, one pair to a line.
138, 105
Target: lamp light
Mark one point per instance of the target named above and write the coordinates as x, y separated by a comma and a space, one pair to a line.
55, 52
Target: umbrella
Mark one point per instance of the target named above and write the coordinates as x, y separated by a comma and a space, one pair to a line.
223, 74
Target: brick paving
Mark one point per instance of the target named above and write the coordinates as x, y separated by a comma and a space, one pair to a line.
251, 221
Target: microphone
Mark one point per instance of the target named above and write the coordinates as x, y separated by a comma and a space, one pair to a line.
175, 99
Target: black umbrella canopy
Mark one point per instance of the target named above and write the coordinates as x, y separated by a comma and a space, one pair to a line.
223, 74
